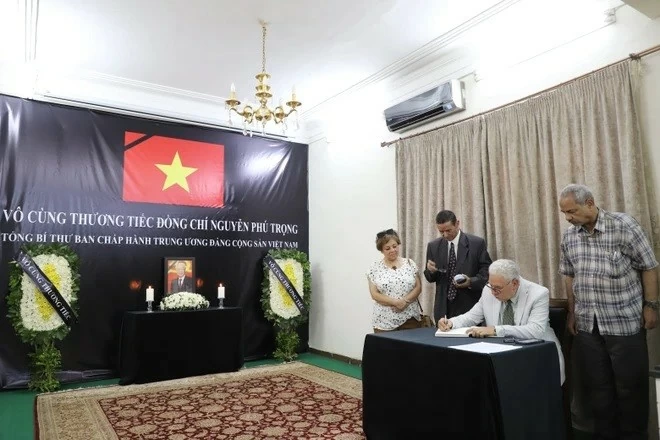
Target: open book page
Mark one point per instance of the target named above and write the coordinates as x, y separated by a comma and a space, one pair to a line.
455, 332
485, 347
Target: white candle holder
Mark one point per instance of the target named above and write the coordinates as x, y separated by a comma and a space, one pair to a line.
149, 306
221, 303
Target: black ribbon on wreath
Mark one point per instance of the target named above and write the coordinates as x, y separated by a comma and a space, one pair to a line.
286, 283
46, 287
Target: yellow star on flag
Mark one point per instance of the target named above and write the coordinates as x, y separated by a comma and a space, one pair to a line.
176, 173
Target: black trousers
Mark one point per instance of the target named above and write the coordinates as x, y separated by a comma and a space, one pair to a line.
615, 371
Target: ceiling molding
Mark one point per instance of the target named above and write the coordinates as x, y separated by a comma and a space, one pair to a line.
418, 82
418, 59
51, 76
433, 71
114, 92
108, 90
157, 115
452, 68
125, 96
30, 13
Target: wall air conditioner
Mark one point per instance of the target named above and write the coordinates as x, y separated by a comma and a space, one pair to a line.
440, 101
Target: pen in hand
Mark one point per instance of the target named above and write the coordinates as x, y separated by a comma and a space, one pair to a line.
444, 324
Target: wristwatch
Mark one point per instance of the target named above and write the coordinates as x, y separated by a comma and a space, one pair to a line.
655, 305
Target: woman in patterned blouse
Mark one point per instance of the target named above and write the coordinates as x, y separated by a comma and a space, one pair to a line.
394, 285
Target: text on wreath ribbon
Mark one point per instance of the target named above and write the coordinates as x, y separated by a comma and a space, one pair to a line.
46, 287
286, 283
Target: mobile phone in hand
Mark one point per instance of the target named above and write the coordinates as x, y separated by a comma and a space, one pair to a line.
460, 278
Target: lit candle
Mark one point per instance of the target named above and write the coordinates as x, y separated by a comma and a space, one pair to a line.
232, 93
221, 291
150, 293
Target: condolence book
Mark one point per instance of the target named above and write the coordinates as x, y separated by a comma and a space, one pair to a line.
460, 332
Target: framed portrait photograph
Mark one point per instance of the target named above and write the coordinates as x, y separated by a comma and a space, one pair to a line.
179, 275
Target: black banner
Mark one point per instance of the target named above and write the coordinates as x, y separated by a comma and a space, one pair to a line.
46, 287
128, 193
286, 283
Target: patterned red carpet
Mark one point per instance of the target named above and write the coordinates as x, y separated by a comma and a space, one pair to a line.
290, 401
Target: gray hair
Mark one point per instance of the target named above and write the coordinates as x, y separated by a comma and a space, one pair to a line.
508, 269
580, 193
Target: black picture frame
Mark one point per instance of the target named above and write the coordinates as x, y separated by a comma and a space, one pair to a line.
171, 268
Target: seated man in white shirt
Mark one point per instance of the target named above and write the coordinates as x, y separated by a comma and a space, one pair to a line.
511, 306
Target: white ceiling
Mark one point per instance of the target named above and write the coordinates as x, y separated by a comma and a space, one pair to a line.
176, 59
321, 47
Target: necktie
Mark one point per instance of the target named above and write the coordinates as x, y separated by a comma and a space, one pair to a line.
507, 315
180, 282
451, 273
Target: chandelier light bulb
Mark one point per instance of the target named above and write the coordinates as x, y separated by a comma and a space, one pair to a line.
261, 113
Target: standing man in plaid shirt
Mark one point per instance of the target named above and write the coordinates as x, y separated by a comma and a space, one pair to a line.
611, 280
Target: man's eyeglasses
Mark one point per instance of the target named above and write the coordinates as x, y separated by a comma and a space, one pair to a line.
382, 234
497, 289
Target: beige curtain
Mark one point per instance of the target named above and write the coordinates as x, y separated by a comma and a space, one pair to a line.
424, 168
501, 174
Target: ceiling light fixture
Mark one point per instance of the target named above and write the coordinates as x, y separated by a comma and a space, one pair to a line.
262, 114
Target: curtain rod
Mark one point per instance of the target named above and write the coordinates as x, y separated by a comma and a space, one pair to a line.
633, 56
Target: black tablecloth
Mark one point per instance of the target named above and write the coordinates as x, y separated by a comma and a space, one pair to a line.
413, 384
166, 345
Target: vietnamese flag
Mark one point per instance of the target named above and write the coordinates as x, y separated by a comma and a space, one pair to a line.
159, 169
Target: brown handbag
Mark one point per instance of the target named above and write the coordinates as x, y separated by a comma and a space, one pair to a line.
426, 320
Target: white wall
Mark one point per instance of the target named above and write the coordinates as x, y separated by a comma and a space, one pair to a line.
351, 195
352, 179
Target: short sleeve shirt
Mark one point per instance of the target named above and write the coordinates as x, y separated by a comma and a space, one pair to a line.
605, 266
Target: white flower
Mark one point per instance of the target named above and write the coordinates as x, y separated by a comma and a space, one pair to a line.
36, 312
280, 301
184, 301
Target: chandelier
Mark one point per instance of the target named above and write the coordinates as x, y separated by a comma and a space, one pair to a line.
260, 113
